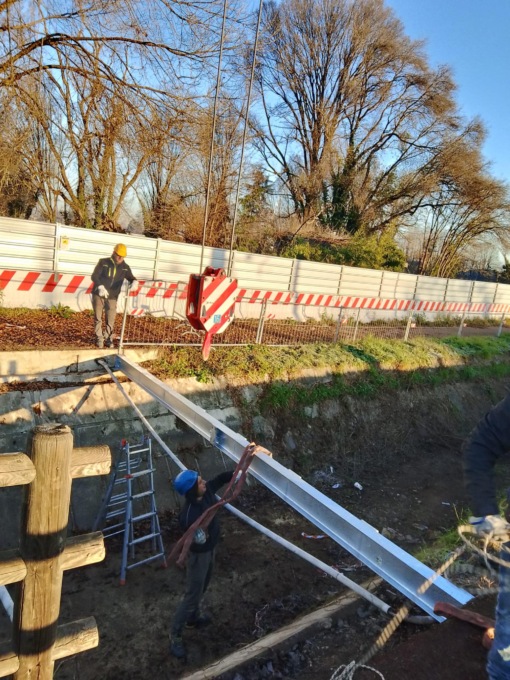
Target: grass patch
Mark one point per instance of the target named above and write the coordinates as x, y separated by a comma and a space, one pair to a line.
435, 555
362, 369
480, 347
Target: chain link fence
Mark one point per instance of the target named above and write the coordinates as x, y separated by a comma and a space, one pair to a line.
155, 314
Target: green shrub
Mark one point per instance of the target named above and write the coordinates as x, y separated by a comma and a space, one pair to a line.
60, 310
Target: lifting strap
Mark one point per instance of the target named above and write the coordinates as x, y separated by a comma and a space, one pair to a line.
180, 550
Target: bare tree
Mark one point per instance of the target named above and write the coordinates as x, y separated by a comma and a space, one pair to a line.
164, 184
352, 113
19, 186
142, 45
94, 79
191, 178
469, 208
90, 146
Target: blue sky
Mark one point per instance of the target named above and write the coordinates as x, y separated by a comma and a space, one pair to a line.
472, 37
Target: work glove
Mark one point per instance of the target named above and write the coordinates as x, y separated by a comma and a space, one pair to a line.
200, 537
494, 527
102, 292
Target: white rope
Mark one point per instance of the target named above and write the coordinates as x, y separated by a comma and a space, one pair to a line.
392, 625
350, 669
488, 541
243, 143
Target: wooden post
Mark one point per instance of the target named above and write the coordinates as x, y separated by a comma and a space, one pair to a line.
46, 515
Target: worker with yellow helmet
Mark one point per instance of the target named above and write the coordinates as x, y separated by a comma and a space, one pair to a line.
108, 277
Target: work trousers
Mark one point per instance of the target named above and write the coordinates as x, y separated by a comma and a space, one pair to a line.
109, 307
498, 663
198, 575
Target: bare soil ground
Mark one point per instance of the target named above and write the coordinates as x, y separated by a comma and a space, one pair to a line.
258, 587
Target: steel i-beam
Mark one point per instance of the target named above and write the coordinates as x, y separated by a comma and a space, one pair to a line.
394, 565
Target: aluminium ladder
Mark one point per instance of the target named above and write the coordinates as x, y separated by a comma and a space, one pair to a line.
129, 506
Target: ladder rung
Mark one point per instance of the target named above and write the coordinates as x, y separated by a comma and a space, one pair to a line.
108, 532
118, 498
142, 473
143, 494
115, 513
141, 539
146, 515
148, 559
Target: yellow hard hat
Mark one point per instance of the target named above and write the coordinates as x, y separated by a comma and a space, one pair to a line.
120, 249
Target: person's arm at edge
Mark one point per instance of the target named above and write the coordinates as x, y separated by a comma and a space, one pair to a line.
488, 441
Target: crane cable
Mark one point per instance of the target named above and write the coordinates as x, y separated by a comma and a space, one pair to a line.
213, 132
243, 143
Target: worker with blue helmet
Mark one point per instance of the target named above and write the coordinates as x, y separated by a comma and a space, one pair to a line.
199, 496
185, 481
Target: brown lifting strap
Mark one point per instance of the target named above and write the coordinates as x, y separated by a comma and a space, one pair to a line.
180, 550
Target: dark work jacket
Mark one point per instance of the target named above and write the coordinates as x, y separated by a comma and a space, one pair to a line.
194, 508
488, 441
111, 276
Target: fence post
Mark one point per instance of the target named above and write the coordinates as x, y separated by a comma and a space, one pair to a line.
46, 516
501, 324
262, 317
155, 269
338, 325
461, 324
124, 318
356, 325
408, 326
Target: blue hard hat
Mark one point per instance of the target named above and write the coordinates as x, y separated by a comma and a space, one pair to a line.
185, 481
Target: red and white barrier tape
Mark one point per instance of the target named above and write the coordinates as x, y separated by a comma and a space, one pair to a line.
47, 282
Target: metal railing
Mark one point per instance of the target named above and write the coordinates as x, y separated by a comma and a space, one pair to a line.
156, 315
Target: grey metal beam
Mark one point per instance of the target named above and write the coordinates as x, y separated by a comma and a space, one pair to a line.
394, 565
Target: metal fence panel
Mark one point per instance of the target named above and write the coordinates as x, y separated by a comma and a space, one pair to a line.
31, 252
430, 288
360, 282
398, 286
314, 277
458, 290
26, 245
502, 294
483, 291
12, 225
262, 272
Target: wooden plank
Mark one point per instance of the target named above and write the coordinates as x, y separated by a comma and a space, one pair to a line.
89, 461
9, 663
271, 641
78, 552
12, 567
15, 469
75, 637
83, 550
